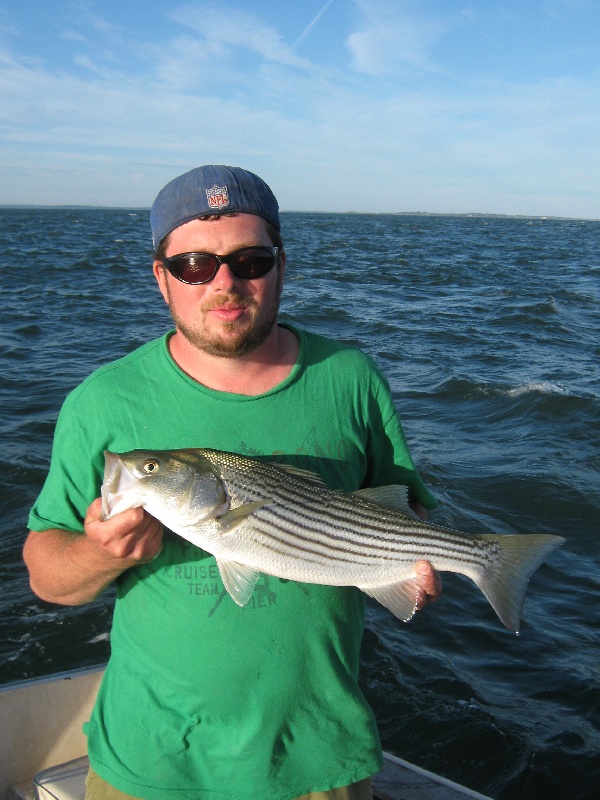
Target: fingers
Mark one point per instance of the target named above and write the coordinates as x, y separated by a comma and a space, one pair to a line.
133, 535
430, 584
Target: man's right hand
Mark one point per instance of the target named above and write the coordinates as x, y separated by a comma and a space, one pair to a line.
73, 568
132, 535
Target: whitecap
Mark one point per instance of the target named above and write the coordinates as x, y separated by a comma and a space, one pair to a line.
541, 387
102, 637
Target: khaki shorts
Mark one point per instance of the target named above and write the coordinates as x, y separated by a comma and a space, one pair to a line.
97, 789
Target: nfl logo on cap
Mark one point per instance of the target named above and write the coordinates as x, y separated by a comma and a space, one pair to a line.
217, 197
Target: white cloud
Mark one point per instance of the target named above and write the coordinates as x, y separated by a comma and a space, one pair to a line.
394, 35
238, 30
83, 14
230, 51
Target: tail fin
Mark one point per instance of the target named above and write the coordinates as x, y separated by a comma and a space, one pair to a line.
504, 582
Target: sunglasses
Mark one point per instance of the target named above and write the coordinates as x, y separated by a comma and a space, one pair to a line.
247, 263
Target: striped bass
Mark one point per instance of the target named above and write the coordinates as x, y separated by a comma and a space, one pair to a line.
261, 517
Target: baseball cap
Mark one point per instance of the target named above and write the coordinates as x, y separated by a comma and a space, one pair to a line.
212, 189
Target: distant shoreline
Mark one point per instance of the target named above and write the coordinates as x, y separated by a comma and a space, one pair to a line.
461, 214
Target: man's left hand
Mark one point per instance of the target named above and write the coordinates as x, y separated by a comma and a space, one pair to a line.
430, 584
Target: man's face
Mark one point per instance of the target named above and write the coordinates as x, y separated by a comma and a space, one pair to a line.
228, 316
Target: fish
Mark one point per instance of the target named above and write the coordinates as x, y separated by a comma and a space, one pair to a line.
258, 517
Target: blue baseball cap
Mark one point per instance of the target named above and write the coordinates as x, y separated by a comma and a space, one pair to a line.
211, 190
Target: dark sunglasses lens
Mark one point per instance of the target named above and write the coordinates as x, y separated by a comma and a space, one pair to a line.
248, 263
253, 262
192, 267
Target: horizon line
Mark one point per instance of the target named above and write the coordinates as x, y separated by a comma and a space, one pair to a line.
87, 207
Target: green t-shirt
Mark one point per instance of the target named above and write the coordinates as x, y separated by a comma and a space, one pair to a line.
201, 698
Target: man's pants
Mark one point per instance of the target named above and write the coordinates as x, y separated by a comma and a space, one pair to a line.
97, 789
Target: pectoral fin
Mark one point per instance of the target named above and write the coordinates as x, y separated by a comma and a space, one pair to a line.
400, 598
238, 579
231, 519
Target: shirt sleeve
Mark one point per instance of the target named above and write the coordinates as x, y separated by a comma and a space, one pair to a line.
390, 461
75, 473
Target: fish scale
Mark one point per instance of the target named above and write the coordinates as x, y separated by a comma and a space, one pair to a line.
255, 517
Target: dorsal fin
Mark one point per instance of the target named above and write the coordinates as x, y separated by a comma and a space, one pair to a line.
393, 496
305, 474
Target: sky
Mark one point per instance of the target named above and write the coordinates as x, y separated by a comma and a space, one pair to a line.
438, 106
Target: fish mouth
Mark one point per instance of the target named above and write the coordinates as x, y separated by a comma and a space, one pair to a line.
118, 480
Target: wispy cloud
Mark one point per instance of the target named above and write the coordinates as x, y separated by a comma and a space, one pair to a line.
221, 28
392, 35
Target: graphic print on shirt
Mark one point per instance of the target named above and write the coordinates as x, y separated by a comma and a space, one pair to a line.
197, 576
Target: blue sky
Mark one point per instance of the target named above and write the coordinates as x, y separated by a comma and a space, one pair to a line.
341, 105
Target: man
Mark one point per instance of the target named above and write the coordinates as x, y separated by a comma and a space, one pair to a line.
201, 698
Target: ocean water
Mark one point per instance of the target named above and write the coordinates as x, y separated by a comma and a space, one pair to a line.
488, 330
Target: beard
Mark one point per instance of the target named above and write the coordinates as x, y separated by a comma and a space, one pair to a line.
238, 338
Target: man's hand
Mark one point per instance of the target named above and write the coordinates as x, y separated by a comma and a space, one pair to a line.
72, 568
430, 584
427, 578
134, 535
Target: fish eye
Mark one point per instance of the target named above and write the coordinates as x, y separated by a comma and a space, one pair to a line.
150, 466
